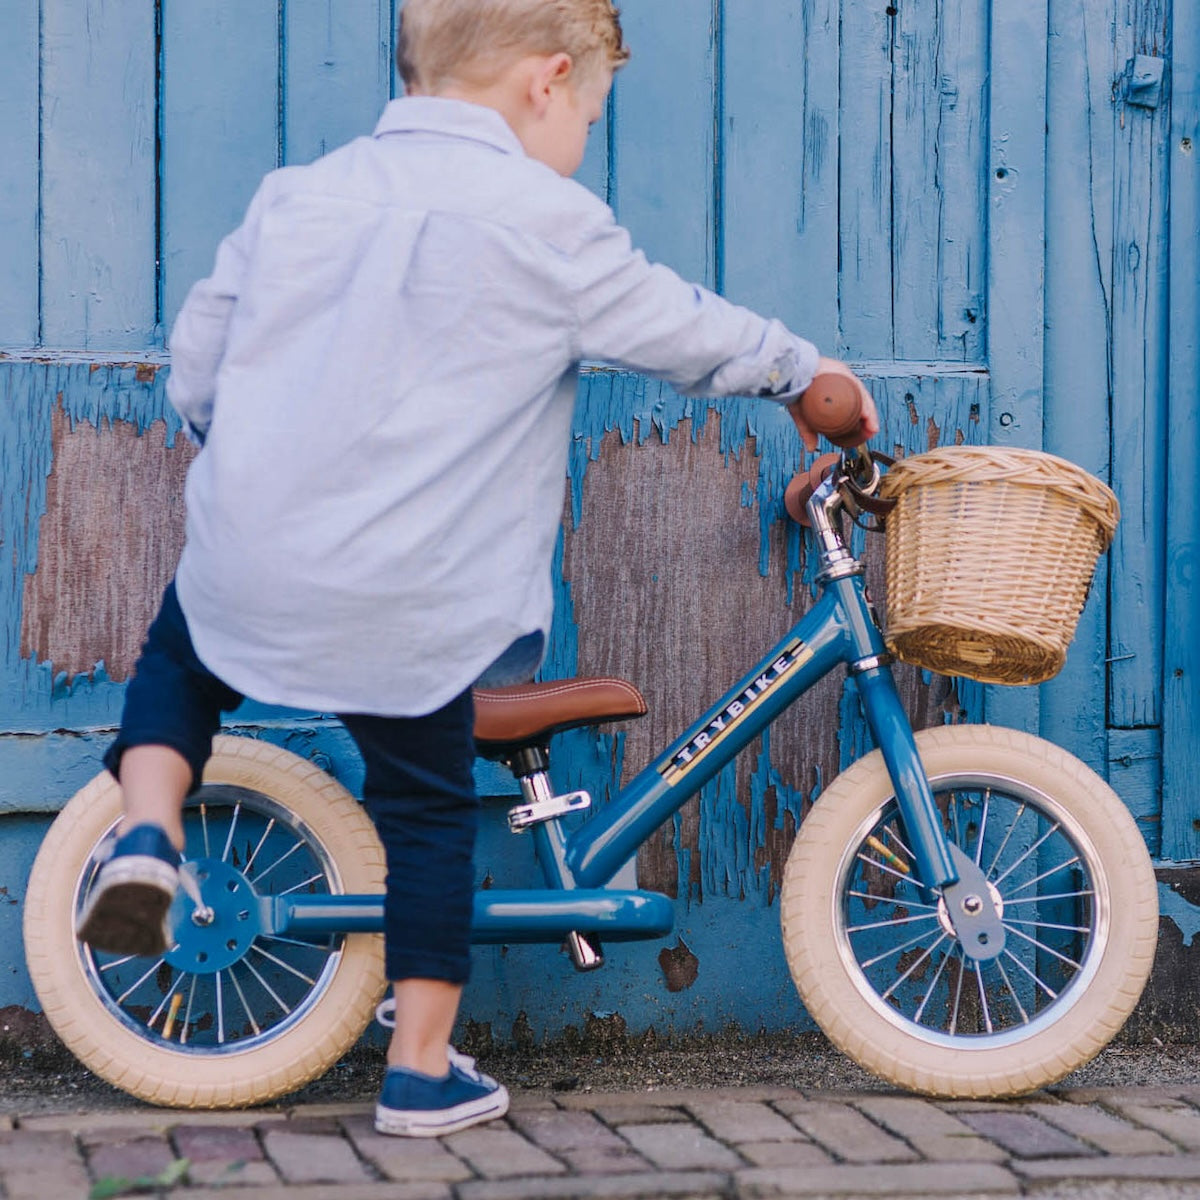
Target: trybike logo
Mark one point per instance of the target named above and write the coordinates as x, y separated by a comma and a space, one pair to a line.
795, 655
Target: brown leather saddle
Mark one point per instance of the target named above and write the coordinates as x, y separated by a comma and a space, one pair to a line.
530, 714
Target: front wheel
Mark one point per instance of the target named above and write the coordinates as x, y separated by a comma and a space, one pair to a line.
873, 952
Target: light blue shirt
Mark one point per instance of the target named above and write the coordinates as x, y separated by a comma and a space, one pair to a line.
383, 367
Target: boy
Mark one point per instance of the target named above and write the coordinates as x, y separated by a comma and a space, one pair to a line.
382, 370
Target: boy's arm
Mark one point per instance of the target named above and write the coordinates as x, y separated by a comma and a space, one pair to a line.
198, 337
643, 316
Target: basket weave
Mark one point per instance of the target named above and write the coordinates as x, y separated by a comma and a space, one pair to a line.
990, 553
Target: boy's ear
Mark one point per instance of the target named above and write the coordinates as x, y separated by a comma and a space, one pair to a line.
551, 70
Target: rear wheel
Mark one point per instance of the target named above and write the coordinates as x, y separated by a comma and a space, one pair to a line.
873, 952
233, 1014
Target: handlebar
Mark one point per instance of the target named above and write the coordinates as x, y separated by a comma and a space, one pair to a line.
832, 407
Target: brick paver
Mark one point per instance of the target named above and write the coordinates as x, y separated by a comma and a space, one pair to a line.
845, 1132
723, 1144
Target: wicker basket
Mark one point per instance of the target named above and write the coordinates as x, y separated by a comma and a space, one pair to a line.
990, 553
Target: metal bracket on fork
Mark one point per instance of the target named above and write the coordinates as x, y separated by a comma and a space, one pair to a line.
972, 910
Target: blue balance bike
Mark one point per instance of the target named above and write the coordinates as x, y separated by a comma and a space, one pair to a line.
967, 911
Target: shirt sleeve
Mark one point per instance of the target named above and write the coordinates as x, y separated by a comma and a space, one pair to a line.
642, 316
198, 337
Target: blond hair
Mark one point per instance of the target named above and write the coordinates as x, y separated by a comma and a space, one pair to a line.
441, 41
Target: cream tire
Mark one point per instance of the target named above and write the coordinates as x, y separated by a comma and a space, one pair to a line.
331, 828
842, 898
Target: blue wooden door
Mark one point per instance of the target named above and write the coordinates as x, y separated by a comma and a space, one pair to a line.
968, 199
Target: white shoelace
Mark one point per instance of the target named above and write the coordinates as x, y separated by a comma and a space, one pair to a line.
385, 1014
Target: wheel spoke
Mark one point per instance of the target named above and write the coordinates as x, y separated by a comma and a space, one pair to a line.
1045, 875
187, 1016
303, 883
983, 1004
204, 828
237, 809
890, 900
1042, 946
954, 1011
237, 987
870, 962
1049, 925
983, 820
257, 879
220, 1012
1036, 979
913, 966
1004, 844
1009, 902
286, 966
163, 1002
874, 862
142, 979
931, 989
1012, 991
265, 834
283, 1004
1029, 850
893, 921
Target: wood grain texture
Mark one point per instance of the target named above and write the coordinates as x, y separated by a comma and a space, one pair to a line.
1078, 383
780, 162
337, 73
1181, 685
108, 543
1139, 375
664, 137
667, 590
219, 114
99, 212
19, 69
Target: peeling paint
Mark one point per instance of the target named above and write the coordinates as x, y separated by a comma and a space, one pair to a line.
680, 967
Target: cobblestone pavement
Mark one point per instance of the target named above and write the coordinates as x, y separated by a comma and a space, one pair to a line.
727, 1143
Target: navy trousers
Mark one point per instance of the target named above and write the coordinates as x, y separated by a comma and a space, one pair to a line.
419, 791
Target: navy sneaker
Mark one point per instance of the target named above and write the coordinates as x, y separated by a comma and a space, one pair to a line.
126, 910
416, 1105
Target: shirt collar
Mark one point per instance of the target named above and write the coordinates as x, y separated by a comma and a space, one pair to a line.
454, 118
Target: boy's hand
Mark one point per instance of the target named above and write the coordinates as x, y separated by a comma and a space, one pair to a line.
870, 415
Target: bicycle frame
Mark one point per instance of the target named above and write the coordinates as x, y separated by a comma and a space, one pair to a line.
576, 864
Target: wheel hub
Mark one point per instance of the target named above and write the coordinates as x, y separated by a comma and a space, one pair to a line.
214, 937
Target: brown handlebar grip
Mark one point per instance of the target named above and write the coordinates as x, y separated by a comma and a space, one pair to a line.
832, 406
804, 484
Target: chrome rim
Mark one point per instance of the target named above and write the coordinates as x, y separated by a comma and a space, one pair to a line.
227, 985
1045, 880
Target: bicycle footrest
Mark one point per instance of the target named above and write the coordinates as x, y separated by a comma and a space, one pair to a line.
523, 816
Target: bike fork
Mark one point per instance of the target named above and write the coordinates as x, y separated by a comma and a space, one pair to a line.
944, 868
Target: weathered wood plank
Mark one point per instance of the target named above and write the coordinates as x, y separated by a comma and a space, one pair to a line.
594, 171
98, 174
219, 129
780, 139
1139, 366
38, 695
337, 73
707, 577
865, 172
664, 134
1078, 309
1181, 689
1016, 234
19, 104
938, 191
81, 609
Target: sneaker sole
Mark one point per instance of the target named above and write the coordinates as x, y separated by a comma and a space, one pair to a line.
126, 913
415, 1123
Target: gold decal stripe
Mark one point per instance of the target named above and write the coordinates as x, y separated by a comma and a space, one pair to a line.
674, 771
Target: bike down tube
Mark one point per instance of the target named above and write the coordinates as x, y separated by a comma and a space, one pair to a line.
596, 850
